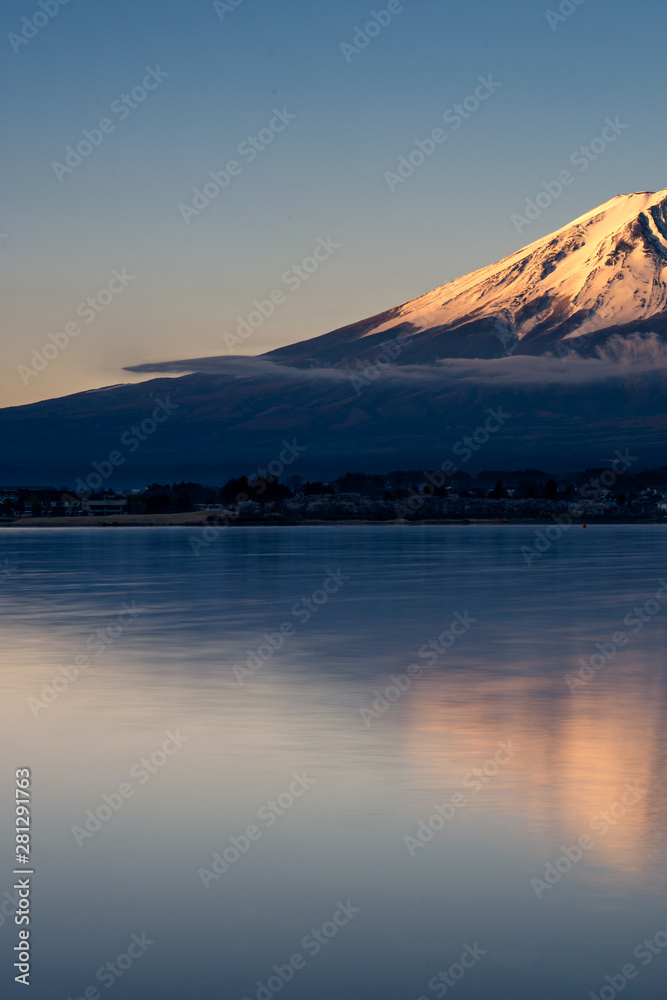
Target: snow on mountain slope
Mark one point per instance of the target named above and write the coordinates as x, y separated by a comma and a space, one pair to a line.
601, 278
602, 273
607, 263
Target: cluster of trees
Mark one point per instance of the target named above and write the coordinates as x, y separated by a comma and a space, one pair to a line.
177, 498
498, 484
159, 498
527, 484
526, 489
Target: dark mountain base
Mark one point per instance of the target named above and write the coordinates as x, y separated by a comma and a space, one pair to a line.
222, 426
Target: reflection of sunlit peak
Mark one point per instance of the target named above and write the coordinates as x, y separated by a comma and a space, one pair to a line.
578, 755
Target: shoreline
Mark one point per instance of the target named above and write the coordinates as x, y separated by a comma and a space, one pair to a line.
201, 519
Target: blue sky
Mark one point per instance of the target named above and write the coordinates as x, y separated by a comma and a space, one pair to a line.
321, 177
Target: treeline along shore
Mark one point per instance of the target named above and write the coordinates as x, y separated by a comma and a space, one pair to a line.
609, 495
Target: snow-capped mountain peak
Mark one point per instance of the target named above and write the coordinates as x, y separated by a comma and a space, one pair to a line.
601, 275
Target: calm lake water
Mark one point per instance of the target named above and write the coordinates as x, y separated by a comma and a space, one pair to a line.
271, 843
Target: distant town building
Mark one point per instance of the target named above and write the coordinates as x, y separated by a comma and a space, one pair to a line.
104, 507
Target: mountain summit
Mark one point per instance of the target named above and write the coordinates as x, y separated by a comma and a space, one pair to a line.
405, 388
600, 276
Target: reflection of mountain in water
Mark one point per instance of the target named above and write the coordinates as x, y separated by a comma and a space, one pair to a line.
578, 752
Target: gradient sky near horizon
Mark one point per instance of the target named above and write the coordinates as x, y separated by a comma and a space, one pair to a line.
323, 176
